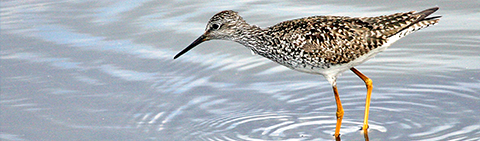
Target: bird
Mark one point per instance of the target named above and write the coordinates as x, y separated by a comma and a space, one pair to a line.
320, 45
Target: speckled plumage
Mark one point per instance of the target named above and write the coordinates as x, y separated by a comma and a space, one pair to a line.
326, 45
318, 43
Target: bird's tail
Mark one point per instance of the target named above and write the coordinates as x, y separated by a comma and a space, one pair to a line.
422, 22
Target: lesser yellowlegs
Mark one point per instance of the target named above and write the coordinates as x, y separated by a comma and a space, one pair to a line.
326, 45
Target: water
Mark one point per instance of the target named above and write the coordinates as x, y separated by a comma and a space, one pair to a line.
74, 70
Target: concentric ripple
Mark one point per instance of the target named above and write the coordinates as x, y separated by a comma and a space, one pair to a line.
103, 70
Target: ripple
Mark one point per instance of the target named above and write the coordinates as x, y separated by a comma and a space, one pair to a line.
307, 112
104, 70
446, 133
260, 126
12, 137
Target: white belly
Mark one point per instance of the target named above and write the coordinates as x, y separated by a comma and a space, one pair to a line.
331, 73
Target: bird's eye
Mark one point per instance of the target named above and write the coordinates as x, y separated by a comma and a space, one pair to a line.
215, 26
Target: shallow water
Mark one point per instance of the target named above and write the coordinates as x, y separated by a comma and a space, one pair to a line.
91, 70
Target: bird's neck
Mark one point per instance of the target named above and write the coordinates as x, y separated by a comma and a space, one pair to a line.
252, 37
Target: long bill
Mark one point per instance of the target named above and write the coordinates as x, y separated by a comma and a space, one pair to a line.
192, 45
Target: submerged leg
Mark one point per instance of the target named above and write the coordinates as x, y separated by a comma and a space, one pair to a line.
365, 135
368, 83
339, 113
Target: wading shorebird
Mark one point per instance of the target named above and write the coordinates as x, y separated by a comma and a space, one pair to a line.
326, 45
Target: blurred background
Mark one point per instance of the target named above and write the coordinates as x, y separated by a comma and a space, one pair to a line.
104, 70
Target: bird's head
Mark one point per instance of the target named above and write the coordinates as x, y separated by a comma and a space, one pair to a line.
222, 25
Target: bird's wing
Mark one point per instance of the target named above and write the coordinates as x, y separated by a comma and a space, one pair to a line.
338, 39
331, 39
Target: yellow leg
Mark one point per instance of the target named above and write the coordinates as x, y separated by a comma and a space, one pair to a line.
368, 83
339, 111
365, 135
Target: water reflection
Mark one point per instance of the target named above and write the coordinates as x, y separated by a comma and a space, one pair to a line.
104, 71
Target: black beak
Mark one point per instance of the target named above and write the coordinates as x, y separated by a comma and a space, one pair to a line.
189, 47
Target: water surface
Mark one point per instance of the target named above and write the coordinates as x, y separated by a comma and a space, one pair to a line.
87, 70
